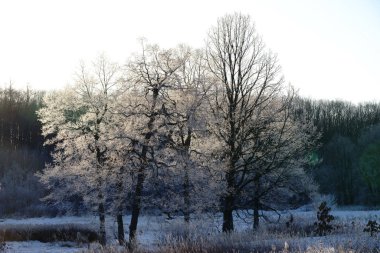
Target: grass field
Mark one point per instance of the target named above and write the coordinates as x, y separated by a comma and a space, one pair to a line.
278, 233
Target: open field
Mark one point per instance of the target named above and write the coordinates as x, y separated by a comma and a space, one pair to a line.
157, 234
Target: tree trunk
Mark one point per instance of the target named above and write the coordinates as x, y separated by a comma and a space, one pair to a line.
102, 224
256, 202
228, 221
229, 200
136, 206
101, 210
185, 153
186, 194
186, 180
186, 199
100, 162
256, 207
119, 216
120, 229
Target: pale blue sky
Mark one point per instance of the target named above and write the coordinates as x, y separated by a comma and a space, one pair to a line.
327, 48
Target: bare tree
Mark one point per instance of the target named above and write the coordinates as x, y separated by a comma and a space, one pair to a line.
277, 159
248, 85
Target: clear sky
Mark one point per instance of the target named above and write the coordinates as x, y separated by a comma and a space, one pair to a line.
327, 48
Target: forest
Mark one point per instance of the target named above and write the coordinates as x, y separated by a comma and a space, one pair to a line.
182, 132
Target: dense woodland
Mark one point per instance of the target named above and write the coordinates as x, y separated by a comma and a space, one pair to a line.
346, 158
22, 152
184, 130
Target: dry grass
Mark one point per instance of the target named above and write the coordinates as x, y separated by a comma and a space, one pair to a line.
246, 242
48, 233
297, 237
204, 236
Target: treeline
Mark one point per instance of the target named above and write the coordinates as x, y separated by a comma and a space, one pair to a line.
21, 152
348, 163
338, 117
18, 120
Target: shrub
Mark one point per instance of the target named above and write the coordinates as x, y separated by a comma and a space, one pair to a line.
324, 218
372, 227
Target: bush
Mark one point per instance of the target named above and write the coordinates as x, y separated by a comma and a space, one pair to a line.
324, 218
372, 227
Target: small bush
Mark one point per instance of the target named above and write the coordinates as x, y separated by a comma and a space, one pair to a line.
372, 227
3, 246
324, 218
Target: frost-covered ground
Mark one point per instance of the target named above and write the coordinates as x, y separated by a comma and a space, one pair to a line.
150, 228
154, 229
39, 247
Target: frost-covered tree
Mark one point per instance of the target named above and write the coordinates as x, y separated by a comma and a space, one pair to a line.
248, 101
190, 125
150, 76
77, 120
186, 180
